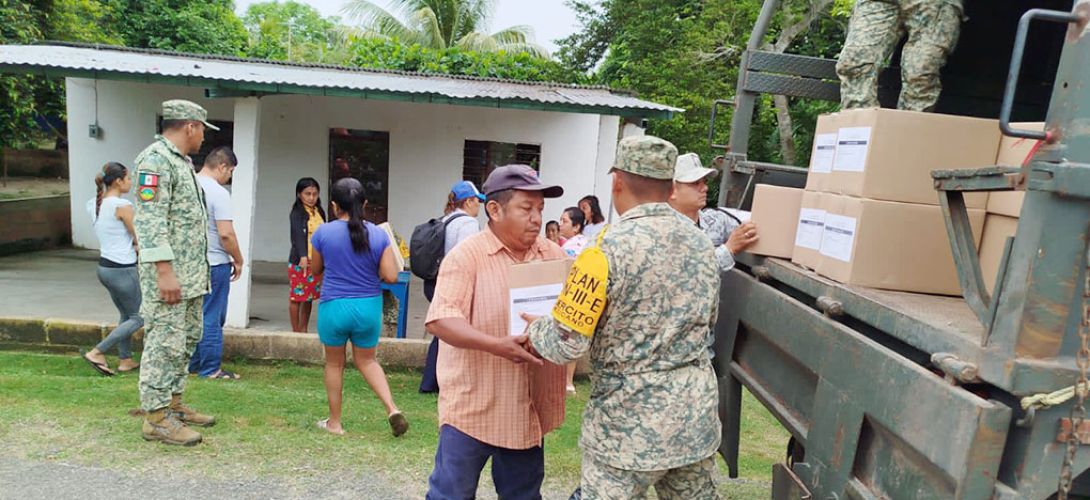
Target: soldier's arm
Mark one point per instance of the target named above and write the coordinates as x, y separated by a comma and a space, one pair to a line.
153, 210
556, 344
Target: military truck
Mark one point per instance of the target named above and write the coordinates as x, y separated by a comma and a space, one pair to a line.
901, 395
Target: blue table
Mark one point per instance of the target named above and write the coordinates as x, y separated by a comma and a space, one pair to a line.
401, 291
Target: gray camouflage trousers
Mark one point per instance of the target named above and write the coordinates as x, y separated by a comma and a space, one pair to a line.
691, 482
171, 333
875, 28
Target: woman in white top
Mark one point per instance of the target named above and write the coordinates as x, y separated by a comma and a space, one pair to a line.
571, 230
572, 227
594, 221
112, 218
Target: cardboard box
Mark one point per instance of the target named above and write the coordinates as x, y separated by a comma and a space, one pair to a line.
776, 213
1013, 151
888, 154
822, 153
810, 227
890, 245
997, 228
533, 288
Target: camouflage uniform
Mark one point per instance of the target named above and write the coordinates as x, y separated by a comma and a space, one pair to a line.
718, 226
652, 415
171, 225
873, 32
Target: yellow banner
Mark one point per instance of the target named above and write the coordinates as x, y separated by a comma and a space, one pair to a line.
583, 298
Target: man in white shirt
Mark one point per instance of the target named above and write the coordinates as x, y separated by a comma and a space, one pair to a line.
729, 236
224, 261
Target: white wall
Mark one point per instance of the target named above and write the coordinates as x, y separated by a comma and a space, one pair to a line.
426, 145
126, 114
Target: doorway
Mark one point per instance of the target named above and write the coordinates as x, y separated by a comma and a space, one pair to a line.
365, 155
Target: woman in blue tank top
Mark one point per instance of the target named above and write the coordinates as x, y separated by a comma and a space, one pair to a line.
353, 257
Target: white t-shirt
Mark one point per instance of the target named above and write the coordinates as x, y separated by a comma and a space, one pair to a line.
218, 201
591, 230
575, 245
114, 240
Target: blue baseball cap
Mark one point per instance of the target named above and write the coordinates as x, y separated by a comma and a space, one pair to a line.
465, 189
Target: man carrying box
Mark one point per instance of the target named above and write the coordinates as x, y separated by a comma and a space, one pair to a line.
489, 406
690, 195
642, 302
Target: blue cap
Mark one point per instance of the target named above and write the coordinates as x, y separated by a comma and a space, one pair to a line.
465, 189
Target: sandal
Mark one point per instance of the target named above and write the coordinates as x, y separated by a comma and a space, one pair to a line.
323, 424
398, 424
224, 375
102, 368
133, 369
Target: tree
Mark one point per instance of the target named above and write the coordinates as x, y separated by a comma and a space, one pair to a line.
199, 26
440, 24
293, 31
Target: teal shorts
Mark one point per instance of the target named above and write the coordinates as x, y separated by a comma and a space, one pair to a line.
358, 320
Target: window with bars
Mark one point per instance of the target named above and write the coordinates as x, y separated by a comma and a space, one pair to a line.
479, 158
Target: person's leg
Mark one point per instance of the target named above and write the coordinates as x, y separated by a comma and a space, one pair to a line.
428, 381
933, 29
295, 293
375, 376
123, 285
193, 329
603, 482
304, 316
293, 315
458, 462
693, 481
164, 349
196, 361
215, 314
872, 35
518, 474
571, 377
330, 325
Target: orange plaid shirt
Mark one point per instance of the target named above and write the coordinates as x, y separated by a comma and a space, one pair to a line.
493, 400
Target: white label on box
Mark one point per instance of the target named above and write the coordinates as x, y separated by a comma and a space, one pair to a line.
533, 300
811, 228
824, 152
851, 149
839, 237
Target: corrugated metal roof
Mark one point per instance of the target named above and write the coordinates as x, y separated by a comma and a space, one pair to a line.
227, 76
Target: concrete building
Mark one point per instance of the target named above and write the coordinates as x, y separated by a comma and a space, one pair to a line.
407, 136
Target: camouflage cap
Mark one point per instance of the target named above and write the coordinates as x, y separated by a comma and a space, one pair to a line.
646, 156
181, 109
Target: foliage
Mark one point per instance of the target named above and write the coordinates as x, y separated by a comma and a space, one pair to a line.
205, 27
686, 53
389, 54
441, 24
292, 31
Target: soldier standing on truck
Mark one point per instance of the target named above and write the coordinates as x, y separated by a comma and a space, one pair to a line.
729, 235
873, 32
642, 302
171, 225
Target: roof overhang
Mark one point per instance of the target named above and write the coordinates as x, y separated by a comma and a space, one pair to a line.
233, 77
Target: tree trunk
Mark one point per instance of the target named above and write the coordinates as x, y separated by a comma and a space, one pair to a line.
787, 131
788, 150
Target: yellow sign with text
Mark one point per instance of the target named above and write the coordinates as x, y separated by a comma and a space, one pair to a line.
583, 298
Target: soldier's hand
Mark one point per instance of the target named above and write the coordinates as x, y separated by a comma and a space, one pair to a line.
742, 238
529, 319
513, 349
169, 289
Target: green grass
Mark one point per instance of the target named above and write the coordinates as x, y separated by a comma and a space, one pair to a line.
56, 408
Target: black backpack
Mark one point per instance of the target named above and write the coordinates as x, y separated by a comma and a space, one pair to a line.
428, 247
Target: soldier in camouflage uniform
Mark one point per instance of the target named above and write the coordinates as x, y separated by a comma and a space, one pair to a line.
171, 225
873, 32
652, 415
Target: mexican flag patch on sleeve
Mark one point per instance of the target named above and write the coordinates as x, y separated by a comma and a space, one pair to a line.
147, 186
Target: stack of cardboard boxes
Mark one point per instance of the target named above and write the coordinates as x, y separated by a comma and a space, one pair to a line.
870, 214
1004, 207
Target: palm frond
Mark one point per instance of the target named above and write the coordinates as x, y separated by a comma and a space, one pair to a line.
376, 20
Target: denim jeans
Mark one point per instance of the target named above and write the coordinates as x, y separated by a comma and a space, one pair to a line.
209, 353
123, 283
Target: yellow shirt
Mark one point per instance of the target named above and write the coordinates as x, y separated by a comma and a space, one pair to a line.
314, 219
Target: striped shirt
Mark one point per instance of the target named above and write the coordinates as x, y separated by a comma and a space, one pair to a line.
489, 398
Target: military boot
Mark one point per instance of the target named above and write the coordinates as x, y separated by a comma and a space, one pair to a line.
162, 425
188, 415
